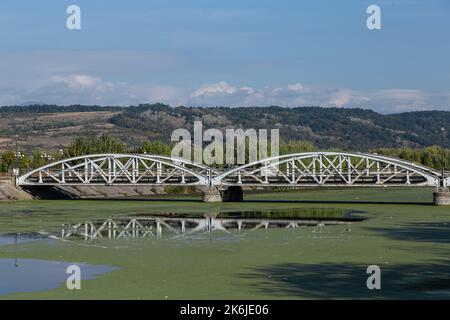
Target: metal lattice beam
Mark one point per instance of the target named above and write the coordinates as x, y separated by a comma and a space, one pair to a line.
119, 169
302, 169
330, 169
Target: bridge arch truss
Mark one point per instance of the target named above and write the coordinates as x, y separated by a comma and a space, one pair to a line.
119, 169
330, 169
302, 169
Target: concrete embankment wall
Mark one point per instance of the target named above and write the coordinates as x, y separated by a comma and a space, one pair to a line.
8, 191
110, 191
84, 192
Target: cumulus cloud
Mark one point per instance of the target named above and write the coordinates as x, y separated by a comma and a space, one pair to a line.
221, 88
126, 77
291, 95
341, 98
222, 93
79, 81
296, 87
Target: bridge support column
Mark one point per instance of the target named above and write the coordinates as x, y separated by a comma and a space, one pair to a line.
233, 194
211, 194
441, 197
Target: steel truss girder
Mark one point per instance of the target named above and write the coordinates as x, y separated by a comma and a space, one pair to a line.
119, 169
330, 169
302, 169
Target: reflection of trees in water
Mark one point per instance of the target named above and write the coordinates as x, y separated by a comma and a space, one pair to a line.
328, 280
438, 232
427, 280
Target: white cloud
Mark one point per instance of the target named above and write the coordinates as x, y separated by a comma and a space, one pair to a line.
291, 95
88, 89
32, 68
341, 98
97, 77
297, 87
214, 89
297, 94
79, 81
220, 89
85, 88
222, 93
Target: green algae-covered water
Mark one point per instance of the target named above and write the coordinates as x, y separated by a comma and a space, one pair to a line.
401, 232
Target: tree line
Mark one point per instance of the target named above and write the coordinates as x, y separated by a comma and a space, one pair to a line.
78, 147
428, 156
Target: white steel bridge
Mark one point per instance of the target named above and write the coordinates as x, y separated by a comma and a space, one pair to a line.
339, 169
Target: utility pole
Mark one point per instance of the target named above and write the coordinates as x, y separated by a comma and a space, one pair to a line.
16, 153
16, 156
442, 156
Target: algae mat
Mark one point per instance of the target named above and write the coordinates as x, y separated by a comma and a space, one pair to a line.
403, 233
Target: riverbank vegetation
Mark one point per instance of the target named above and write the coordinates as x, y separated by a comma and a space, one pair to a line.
84, 145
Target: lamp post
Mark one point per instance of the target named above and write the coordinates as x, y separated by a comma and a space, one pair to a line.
17, 157
47, 158
442, 195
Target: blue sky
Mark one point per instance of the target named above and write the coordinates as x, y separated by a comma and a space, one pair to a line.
227, 52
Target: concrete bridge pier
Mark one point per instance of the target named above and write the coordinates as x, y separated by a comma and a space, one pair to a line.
216, 194
211, 194
441, 197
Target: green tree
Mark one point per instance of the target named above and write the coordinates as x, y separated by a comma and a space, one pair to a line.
37, 159
155, 148
7, 161
296, 146
92, 145
429, 156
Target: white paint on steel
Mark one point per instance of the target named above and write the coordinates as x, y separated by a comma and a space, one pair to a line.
301, 169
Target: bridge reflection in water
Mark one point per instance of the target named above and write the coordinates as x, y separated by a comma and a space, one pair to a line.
172, 227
